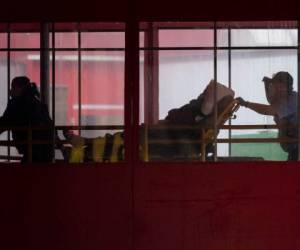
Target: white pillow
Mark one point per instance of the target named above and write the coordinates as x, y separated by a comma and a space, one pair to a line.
209, 95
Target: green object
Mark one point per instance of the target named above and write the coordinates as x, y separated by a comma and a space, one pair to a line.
269, 151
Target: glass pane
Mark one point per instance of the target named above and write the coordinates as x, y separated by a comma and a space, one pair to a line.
102, 39
3, 40
102, 96
26, 63
222, 37
66, 97
171, 97
264, 37
186, 38
66, 88
64, 40
141, 39
25, 40
183, 75
170, 78
142, 87
223, 149
248, 69
3, 98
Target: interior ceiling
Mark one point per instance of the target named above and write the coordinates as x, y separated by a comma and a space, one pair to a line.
126, 10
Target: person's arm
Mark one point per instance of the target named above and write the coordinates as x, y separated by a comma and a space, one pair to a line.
258, 107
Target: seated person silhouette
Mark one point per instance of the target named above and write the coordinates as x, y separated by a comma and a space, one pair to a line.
24, 110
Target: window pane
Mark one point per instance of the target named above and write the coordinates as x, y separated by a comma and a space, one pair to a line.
170, 78
264, 37
3, 40
223, 149
3, 97
222, 37
186, 38
25, 40
183, 75
176, 82
64, 40
93, 96
248, 69
66, 88
102, 99
26, 63
102, 39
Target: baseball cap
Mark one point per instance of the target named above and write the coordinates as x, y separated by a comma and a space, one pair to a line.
281, 76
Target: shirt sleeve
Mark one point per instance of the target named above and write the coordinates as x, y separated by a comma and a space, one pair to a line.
288, 108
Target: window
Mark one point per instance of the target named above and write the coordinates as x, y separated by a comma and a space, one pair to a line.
82, 70
191, 74
183, 113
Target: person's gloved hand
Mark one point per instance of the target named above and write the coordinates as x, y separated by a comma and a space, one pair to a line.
242, 102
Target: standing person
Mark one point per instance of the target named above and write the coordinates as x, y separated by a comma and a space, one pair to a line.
24, 109
282, 106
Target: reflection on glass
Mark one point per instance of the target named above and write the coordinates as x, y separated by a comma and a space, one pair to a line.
173, 80
64, 40
66, 88
222, 37
186, 38
183, 75
3, 40
25, 40
25, 63
102, 98
248, 70
3, 97
264, 37
102, 39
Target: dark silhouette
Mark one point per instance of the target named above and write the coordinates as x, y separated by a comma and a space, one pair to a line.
25, 110
282, 106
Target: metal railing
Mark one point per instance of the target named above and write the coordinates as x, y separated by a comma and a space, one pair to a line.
144, 141
55, 141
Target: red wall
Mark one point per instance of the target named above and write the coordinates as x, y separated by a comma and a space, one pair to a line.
94, 10
185, 207
215, 206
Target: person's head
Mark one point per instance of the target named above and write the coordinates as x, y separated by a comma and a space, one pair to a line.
21, 85
279, 86
18, 86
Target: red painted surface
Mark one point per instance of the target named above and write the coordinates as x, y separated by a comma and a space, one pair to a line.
240, 206
211, 206
65, 208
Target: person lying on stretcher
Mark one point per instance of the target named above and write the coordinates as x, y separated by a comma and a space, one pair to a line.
191, 117
198, 111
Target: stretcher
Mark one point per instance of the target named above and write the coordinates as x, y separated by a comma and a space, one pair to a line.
187, 133
171, 142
